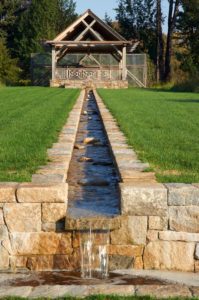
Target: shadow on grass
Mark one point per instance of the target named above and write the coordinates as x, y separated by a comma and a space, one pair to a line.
184, 100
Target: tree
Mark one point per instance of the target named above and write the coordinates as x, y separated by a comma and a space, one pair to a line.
66, 14
137, 20
9, 10
108, 20
172, 17
160, 43
188, 31
9, 71
43, 20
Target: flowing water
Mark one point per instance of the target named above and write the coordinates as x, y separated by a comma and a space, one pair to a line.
93, 185
93, 189
94, 256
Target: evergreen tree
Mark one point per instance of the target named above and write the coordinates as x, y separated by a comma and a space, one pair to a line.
172, 17
9, 71
43, 20
188, 30
108, 20
137, 20
9, 10
160, 43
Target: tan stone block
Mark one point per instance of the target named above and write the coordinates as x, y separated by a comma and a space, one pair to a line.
40, 263
48, 178
49, 227
184, 218
18, 262
7, 245
178, 236
4, 258
125, 250
32, 193
196, 266
132, 231
143, 199
152, 235
44, 243
163, 291
158, 223
137, 227
138, 263
3, 232
171, 255
195, 291
53, 212
7, 192
1, 217
65, 262
23, 217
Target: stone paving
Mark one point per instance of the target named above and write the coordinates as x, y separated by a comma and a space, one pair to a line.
132, 282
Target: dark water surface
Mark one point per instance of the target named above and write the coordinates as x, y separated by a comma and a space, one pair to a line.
94, 199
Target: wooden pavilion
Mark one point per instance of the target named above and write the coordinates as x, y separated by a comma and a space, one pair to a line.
90, 36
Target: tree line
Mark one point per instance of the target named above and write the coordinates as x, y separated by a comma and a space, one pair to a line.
25, 23
143, 20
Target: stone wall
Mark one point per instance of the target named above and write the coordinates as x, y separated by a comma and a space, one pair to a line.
106, 84
158, 227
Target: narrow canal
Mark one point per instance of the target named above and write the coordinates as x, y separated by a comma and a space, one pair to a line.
92, 177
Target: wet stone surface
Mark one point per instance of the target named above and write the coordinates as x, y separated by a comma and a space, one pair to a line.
74, 278
93, 185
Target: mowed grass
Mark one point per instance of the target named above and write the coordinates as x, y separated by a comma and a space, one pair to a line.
163, 128
30, 120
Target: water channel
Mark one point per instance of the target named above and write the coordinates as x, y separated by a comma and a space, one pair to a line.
93, 184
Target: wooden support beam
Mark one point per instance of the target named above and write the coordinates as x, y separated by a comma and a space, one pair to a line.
88, 27
53, 62
124, 71
93, 31
62, 53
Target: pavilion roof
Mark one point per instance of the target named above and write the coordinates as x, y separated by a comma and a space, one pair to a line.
87, 31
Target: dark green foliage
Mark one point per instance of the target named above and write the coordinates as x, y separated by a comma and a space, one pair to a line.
9, 9
163, 128
30, 120
9, 71
42, 20
188, 26
137, 20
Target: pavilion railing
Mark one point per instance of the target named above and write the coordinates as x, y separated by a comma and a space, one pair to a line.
88, 74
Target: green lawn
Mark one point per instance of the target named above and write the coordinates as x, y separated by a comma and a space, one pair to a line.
30, 120
163, 128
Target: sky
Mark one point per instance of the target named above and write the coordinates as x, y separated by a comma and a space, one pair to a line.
100, 7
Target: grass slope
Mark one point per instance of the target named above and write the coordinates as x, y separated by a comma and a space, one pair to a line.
30, 120
163, 128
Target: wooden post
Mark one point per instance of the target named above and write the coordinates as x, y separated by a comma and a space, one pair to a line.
124, 63
53, 62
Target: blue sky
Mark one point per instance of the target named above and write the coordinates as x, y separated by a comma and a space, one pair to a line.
101, 6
